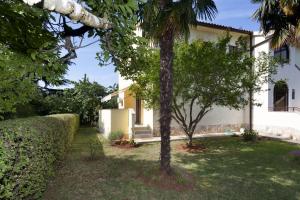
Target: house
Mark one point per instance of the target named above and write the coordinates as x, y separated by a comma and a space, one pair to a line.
277, 115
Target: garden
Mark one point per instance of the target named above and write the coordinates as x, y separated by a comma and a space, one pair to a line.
49, 146
228, 168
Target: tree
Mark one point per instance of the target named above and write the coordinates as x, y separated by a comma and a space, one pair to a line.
84, 99
205, 75
280, 18
111, 23
74, 10
27, 55
113, 102
33, 40
163, 20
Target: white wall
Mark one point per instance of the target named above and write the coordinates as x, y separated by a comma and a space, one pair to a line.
111, 120
278, 122
287, 72
121, 100
148, 118
209, 34
105, 122
123, 83
219, 116
291, 75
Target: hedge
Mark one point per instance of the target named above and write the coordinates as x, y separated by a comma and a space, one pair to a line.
29, 149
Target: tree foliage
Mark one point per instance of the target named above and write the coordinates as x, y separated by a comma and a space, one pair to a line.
281, 18
26, 54
84, 99
33, 43
206, 74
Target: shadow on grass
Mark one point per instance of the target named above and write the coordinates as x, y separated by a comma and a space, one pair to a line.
230, 169
239, 170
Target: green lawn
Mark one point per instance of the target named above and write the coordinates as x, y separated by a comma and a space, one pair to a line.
228, 169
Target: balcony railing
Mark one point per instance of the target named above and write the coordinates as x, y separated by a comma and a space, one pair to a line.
284, 109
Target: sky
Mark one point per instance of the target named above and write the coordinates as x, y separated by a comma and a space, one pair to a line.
235, 13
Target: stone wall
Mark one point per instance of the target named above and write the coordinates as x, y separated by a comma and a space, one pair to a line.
276, 131
220, 128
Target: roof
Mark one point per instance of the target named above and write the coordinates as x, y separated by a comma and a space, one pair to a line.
108, 97
226, 28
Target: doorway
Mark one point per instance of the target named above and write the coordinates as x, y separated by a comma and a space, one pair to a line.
281, 96
138, 111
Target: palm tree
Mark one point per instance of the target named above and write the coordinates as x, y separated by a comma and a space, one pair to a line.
281, 19
163, 20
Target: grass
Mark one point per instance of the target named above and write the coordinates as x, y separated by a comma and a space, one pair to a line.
228, 169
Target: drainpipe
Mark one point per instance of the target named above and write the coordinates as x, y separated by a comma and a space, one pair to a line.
251, 92
252, 47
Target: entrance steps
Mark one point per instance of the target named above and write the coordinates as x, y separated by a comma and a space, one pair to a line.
141, 131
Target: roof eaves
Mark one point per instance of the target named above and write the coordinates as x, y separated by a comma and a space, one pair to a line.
226, 28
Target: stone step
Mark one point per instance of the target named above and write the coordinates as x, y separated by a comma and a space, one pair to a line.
277, 136
141, 128
143, 135
142, 132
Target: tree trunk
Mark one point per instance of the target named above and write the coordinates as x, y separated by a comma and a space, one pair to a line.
190, 140
166, 43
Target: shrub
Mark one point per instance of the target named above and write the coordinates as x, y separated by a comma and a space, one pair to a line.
95, 148
115, 135
249, 135
29, 148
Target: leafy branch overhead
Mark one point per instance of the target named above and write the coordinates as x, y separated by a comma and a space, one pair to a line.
39, 45
281, 19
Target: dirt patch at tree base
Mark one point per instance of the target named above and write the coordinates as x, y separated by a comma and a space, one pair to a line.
195, 148
177, 181
124, 144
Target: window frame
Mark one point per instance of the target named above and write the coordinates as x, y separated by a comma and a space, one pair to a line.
282, 53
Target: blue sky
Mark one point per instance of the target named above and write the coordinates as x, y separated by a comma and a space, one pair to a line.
235, 13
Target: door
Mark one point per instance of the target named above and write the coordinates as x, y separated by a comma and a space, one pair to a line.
281, 94
138, 110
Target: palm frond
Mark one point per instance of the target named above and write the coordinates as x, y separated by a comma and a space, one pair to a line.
206, 9
274, 19
178, 15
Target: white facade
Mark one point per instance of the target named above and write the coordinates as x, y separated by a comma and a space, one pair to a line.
265, 119
220, 119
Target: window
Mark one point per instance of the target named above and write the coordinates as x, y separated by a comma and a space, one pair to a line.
293, 93
232, 49
282, 53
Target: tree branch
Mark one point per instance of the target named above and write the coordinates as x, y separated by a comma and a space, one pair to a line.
74, 10
79, 32
191, 111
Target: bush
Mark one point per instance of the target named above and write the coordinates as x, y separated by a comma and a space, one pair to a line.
29, 148
115, 135
95, 148
249, 135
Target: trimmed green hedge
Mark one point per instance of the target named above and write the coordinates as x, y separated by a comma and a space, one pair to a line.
29, 148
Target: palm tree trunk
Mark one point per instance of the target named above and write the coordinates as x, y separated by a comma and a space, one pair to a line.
166, 89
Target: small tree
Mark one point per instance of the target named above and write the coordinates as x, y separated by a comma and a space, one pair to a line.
205, 74
84, 99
